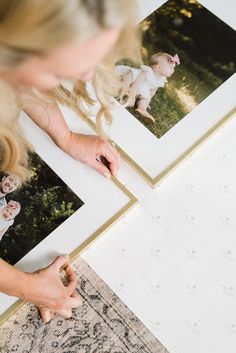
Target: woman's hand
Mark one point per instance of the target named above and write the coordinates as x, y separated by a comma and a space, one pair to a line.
45, 289
48, 314
89, 149
84, 148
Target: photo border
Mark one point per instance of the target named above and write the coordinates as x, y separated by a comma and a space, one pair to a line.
85, 244
155, 181
146, 9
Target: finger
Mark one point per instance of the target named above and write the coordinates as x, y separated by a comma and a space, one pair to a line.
46, 314
75, 294
71, 303
59, 262
113, 162
111, 157
72, 280
107, 164
109, 153
66, 313
101, 168
74, 301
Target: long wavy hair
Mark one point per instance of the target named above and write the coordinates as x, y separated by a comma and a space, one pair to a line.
46, 25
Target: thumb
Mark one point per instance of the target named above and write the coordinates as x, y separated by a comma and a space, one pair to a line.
59, 262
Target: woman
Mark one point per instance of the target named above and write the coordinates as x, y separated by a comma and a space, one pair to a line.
76, 40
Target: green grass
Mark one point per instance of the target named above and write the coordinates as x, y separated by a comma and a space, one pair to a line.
182, 93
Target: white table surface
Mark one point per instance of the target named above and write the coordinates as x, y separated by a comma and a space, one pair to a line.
172, 259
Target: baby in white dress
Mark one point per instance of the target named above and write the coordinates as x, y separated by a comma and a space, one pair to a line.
7, 215
141, 84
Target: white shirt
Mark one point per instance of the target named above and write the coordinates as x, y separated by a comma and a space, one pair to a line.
151, 82
5, 224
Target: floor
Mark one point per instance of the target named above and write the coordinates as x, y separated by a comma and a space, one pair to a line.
172, 259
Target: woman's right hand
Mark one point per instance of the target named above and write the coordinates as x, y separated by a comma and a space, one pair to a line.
45, 289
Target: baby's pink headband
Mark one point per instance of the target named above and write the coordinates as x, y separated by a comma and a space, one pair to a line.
175, 59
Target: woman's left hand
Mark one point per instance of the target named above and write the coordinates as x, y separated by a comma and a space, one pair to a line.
89, 149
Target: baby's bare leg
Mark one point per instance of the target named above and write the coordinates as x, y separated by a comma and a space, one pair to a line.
142, 104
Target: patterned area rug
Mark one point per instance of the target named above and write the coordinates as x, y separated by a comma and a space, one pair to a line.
102, 325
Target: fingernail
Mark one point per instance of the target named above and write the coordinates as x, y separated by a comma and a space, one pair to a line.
107, 175
80, 303
47, 317
65, 255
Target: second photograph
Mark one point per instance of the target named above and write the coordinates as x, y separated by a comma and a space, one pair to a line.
182, 64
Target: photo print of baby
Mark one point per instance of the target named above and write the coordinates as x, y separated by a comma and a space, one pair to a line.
188, 53
30, 212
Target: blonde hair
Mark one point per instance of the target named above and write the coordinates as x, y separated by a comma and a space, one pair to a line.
14, 177
46, 25
154, 58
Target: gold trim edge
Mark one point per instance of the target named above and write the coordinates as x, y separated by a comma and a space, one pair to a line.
154, 181
89, 241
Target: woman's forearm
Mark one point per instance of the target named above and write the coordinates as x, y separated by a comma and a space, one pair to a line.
81, 147
12, 280
51, 120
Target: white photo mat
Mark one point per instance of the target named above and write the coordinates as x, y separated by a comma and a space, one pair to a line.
105, 201
152, 157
